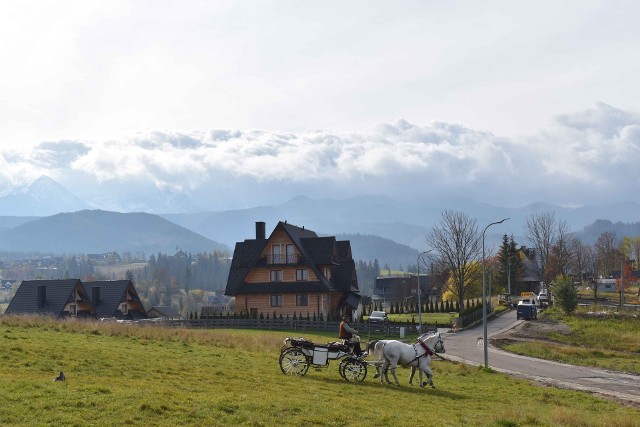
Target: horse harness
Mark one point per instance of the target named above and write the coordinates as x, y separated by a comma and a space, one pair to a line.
427, 350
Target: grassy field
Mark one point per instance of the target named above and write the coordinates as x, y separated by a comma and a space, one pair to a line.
609, 342
133, 375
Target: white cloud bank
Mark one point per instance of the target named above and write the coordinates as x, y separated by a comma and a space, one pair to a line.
588, 157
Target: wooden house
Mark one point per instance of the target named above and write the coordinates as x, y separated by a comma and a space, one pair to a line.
59, 298
116, 298
293, 271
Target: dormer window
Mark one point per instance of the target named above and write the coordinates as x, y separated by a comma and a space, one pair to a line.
124, 308
327, 273
291, 255
276, 254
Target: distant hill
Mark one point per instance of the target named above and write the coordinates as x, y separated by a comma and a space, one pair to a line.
369, 248
97, 231
591, 232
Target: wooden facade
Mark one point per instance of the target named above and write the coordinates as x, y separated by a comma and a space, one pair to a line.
292, 272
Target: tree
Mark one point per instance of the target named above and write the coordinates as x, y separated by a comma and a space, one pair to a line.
541, 232
457, 242
579, 261
566, 295
509, 263
560, 255
608, 253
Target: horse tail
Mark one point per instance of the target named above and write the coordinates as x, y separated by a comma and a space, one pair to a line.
371, 345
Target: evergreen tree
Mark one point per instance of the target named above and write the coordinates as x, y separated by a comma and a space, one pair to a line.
566, 296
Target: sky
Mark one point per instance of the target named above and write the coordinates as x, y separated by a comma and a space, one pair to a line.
241, 103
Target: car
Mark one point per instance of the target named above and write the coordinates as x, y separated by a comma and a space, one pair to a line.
544, 299
526, 311
378, 317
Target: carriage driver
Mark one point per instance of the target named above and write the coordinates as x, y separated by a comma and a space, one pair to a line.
350, 336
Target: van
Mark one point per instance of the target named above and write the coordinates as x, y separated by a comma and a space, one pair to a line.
526, 311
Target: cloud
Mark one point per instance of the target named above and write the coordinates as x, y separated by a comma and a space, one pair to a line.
583, 158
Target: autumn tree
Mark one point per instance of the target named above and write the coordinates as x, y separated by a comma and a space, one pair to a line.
458, 243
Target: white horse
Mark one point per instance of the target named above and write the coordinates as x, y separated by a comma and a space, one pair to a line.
374, 348
417, 355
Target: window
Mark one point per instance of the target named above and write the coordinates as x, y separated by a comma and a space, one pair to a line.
275, 254
302, 299
302, 274
327, 273
276, 275
72, 309
124, 308
276, 300
291, 255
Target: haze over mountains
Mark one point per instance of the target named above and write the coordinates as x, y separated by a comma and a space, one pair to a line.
379, 227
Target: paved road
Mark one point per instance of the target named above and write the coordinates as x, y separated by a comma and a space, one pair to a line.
467, 346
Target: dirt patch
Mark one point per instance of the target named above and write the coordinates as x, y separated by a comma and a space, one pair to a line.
537, 330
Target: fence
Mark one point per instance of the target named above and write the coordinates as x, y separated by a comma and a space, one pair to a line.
468, 319
295, 325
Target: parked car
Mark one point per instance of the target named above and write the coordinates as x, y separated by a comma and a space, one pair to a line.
544, 299
378, 317
526, 311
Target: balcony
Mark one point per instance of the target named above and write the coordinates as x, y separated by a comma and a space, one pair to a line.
283, 259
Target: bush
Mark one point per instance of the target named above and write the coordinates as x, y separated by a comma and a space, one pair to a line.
566, 295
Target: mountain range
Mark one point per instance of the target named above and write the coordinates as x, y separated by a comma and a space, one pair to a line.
51, 219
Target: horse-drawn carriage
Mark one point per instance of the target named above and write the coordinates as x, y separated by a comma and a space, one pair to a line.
297, 354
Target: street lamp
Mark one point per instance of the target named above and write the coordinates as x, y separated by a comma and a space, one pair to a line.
484, 298
420, 289
509, 275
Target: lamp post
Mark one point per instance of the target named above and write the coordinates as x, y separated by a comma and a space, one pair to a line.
484, 298
420, 290
509, 275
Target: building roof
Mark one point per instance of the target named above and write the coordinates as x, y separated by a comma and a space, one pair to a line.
163, 311
57, 294
111, 294
315, 252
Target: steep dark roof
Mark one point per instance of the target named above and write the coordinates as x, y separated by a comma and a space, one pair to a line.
315, 251
58, 293
112, 293
345, 272
320, 249
245, 256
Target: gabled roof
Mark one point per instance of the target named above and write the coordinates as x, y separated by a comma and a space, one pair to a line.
315, 252
112, 294
57, 294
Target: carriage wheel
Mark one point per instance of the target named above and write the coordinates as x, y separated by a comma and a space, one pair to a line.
354, 370
294, 362
341, 366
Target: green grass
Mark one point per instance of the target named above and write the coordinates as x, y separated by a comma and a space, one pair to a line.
608, 342
150, 376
